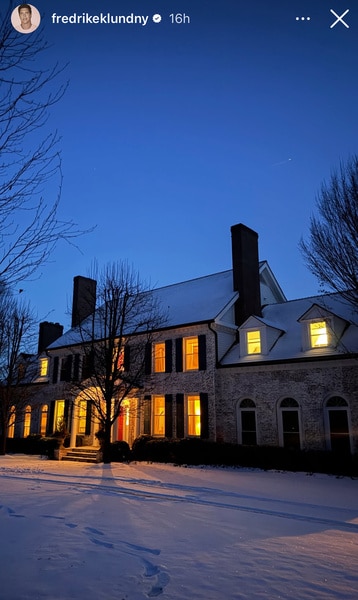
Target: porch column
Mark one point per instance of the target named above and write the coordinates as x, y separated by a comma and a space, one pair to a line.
95, 426
74, 425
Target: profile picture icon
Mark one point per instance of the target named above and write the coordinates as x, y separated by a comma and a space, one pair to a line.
25, 18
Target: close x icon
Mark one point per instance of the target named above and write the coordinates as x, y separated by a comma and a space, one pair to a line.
339, 18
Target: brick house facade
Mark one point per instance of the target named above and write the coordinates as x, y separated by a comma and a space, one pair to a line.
236, 362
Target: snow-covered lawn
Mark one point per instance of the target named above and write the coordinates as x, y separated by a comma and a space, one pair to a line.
94, 532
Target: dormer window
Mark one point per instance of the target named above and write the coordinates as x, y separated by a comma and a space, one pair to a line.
318, 332
321, 329
253, 342
257, 338
44, 363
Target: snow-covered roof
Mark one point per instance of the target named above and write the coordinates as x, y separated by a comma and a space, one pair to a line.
195, 301
287, 317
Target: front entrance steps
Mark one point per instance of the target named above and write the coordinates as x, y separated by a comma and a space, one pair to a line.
84, 455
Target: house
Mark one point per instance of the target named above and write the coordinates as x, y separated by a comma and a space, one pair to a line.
236, 361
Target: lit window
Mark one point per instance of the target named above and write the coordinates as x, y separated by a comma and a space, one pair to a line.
120, 359
253, 342
159, 357
125, 412
318, 334
43, 367
43, 422
191, 354
158, 415
11, 428
82, 413
59, 414
27, 421
194, 422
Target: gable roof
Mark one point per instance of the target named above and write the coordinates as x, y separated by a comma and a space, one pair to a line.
199, 300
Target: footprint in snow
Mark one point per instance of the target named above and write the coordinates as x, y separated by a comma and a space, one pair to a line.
158, 588
93, 530
150, 569
141, 548
11, 512
101, 543
161, 578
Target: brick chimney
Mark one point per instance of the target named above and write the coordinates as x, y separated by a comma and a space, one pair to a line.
84, 299
245, 268
48, 333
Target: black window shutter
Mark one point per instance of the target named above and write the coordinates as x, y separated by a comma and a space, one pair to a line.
148, 358
66, 368
168, 356
127, 357
55, 370
180, 415
202, 352
51, 415
88, 364
204, 416
88, 417
147, 415
179, 354
76, 367
168, 415
69, 367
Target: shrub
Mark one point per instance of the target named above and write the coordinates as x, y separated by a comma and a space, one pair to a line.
195, 451
139, 451
28, 445
120, 451
48, 445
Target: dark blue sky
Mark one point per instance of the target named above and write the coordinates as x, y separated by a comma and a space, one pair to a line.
173, 133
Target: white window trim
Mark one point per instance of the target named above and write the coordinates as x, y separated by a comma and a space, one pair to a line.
153, 415
239, 422
42, 360
153, 357
27, 421
185, 368
186, 416
306, 342
280, 422
244, 342
327, 428
328, 333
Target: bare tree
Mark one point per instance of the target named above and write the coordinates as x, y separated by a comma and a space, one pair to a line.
331, 252
16, 365
29, 155
114, 342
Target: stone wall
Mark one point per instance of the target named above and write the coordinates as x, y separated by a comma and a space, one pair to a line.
311, 384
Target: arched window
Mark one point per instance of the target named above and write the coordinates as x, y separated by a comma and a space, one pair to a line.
43, 419
337, 424
247, 422
11, 427
27, 420
289, 420
336, 401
